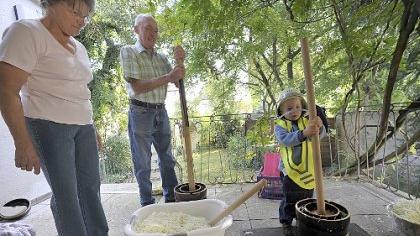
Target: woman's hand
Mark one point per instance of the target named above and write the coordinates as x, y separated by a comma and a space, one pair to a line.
11, 81
26, 158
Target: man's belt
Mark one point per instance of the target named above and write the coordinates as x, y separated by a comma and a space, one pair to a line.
146, 104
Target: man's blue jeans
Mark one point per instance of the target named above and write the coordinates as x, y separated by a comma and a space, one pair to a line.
70, 162
147, 126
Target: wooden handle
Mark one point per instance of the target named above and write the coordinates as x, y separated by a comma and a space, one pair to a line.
188, 153
262, 183
186, 132
316, 149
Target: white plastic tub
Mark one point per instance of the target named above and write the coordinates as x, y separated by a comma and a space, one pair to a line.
208, 208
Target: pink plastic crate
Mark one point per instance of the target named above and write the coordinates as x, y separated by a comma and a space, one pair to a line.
271, 164
270, 172
274, 188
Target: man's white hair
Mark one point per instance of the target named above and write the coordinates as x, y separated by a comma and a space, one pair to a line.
141, 17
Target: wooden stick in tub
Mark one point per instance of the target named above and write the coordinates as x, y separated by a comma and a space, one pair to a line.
186, 130
319, 186
262, 183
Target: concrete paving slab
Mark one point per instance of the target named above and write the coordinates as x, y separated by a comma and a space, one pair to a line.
114, 205
45, 202
105, 197
119, 188
41, 212
240, 213
115, 230
366, 202
376, 225
211, 191
265, 223
230, 188
265, 209
379, 191
237, 227
228, 195
354, 230
41, 219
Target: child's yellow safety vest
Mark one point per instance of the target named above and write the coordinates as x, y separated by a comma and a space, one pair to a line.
303, 173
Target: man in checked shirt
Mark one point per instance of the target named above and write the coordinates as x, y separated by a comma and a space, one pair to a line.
148, 74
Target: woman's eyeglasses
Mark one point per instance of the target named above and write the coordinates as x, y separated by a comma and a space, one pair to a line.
86, 18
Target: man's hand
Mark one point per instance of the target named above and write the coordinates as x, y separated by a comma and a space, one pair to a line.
177, 73
176, 84
179, 55
26, 158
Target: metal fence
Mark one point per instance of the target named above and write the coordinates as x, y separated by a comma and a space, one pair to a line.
396, 165
230, 149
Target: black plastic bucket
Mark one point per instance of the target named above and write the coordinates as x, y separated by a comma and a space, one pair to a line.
183, 193
308, 222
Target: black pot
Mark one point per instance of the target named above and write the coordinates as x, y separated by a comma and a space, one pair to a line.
183, 193
310, 208
310, 223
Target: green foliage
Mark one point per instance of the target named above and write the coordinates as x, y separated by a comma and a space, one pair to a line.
254, 45
109, 29
231, 127
239, 34
118, 164
222, 92
260, 134
226, 38
237, 151
217, 131
110, 103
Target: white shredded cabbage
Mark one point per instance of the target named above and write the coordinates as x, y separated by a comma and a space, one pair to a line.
170, 222
408, 210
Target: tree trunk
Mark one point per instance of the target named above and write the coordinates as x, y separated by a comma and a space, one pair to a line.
290, 64
408, 22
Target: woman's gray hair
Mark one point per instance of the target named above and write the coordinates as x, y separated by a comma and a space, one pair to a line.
141, 17
89, 3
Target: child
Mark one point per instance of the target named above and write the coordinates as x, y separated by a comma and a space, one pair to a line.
293, 132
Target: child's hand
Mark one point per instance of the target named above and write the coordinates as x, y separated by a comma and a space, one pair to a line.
317, 120
313, 127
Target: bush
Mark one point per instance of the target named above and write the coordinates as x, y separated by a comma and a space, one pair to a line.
118, 164
260, 134
240, 153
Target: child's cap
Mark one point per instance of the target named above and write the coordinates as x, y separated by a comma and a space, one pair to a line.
288, 94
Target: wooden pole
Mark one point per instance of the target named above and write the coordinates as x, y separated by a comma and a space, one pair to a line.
319, 186
186, 132
262, 183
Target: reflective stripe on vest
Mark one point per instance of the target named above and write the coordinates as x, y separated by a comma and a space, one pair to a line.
302, 173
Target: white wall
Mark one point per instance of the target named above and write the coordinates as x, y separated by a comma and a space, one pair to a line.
27, 8
15, 183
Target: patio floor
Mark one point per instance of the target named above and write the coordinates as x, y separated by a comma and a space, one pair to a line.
366, 203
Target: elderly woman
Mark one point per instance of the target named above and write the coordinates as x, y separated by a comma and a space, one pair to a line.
45, 102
